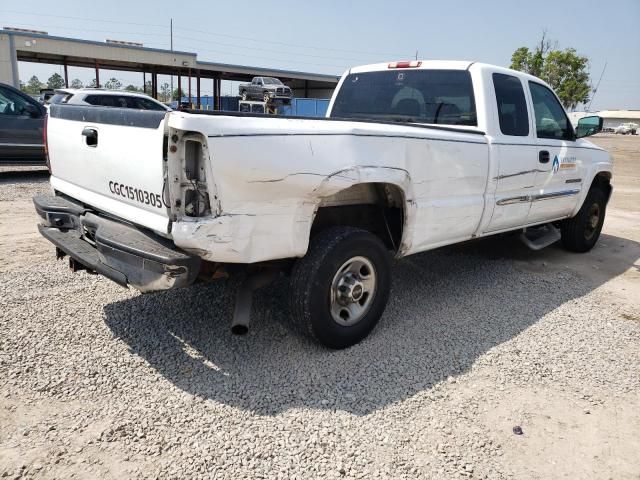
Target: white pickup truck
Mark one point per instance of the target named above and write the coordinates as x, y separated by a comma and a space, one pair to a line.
412, 156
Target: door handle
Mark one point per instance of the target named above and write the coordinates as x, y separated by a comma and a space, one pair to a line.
543, 156
91, 135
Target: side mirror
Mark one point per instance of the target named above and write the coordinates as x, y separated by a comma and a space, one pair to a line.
32, 111
589, 126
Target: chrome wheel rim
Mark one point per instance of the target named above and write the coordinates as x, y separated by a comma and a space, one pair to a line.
593, 218
352, 291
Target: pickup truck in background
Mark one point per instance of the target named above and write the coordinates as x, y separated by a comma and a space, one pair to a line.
412, 156
265, 89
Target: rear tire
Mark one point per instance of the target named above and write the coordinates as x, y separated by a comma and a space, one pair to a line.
580, 233
340, 288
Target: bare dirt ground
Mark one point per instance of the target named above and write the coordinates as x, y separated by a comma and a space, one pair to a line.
100, 382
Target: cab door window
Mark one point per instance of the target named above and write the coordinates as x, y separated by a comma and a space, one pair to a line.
12, 104
551, 120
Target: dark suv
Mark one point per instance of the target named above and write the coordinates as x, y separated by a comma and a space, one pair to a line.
21, 124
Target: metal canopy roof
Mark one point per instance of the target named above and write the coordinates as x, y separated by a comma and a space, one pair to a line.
41, 48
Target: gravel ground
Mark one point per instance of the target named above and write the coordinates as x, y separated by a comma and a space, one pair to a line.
101, 382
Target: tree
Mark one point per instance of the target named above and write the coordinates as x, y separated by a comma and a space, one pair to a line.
33, 86
565, 70
132, 88
177, 94
113, 84
55, 81
165, 92
76, 83
93, 83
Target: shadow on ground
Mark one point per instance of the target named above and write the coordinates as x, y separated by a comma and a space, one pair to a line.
447, 308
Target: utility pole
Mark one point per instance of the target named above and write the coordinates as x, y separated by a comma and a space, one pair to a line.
416, 54
171, 33
595, 90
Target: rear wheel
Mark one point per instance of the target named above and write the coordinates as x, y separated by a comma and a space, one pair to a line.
580, 233
339, 290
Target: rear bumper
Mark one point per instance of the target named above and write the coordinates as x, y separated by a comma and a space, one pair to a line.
121, 252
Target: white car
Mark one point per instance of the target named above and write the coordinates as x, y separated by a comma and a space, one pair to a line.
106, 98
626, 129
413, 156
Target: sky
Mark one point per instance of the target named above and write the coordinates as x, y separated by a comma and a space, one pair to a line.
328, 36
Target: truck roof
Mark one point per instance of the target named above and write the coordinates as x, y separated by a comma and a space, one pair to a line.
443, 65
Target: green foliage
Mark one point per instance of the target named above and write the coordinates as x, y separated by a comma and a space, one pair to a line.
132, 88
55, 81
93, 83
113, 84
565, 71
165, 92
177, 94
33, 86
76, 83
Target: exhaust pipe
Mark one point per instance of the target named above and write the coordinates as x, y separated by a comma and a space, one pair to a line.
244, 299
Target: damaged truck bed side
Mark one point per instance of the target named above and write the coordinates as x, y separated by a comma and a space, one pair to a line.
412, 156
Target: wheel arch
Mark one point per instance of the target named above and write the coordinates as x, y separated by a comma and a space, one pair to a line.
376, 199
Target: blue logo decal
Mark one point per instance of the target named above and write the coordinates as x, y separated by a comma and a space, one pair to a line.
556, 164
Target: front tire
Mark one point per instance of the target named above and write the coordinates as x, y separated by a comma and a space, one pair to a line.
580, 233
266, 97
340, 289
245, 97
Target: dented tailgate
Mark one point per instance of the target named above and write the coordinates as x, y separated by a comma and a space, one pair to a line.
110, 159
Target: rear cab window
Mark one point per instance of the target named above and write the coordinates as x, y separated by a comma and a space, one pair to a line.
60, 98
513, 115
416, 96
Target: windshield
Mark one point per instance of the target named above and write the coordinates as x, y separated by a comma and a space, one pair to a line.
420, 96
271, 81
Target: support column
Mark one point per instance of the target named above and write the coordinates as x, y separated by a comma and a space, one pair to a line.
189, 87
9, 62
198, 104
215, 94
179, 89
97, 75
154, 85
219, 94
306, 89
66, 74
144, 82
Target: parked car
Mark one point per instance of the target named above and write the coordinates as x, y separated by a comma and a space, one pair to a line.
628, 128
106, 98
179, 105
448, 152
21, 124
265, 89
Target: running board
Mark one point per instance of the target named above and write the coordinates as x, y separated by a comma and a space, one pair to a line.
540, 237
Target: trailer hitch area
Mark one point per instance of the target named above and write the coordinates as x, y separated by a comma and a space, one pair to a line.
75, 266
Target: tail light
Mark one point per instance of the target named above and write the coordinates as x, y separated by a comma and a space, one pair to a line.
44, 141
413, 64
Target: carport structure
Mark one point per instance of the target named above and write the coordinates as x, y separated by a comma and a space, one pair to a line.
24, 46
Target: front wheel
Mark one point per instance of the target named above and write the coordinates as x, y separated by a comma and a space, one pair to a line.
244, 96
340, 289
266, 97
580, 233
